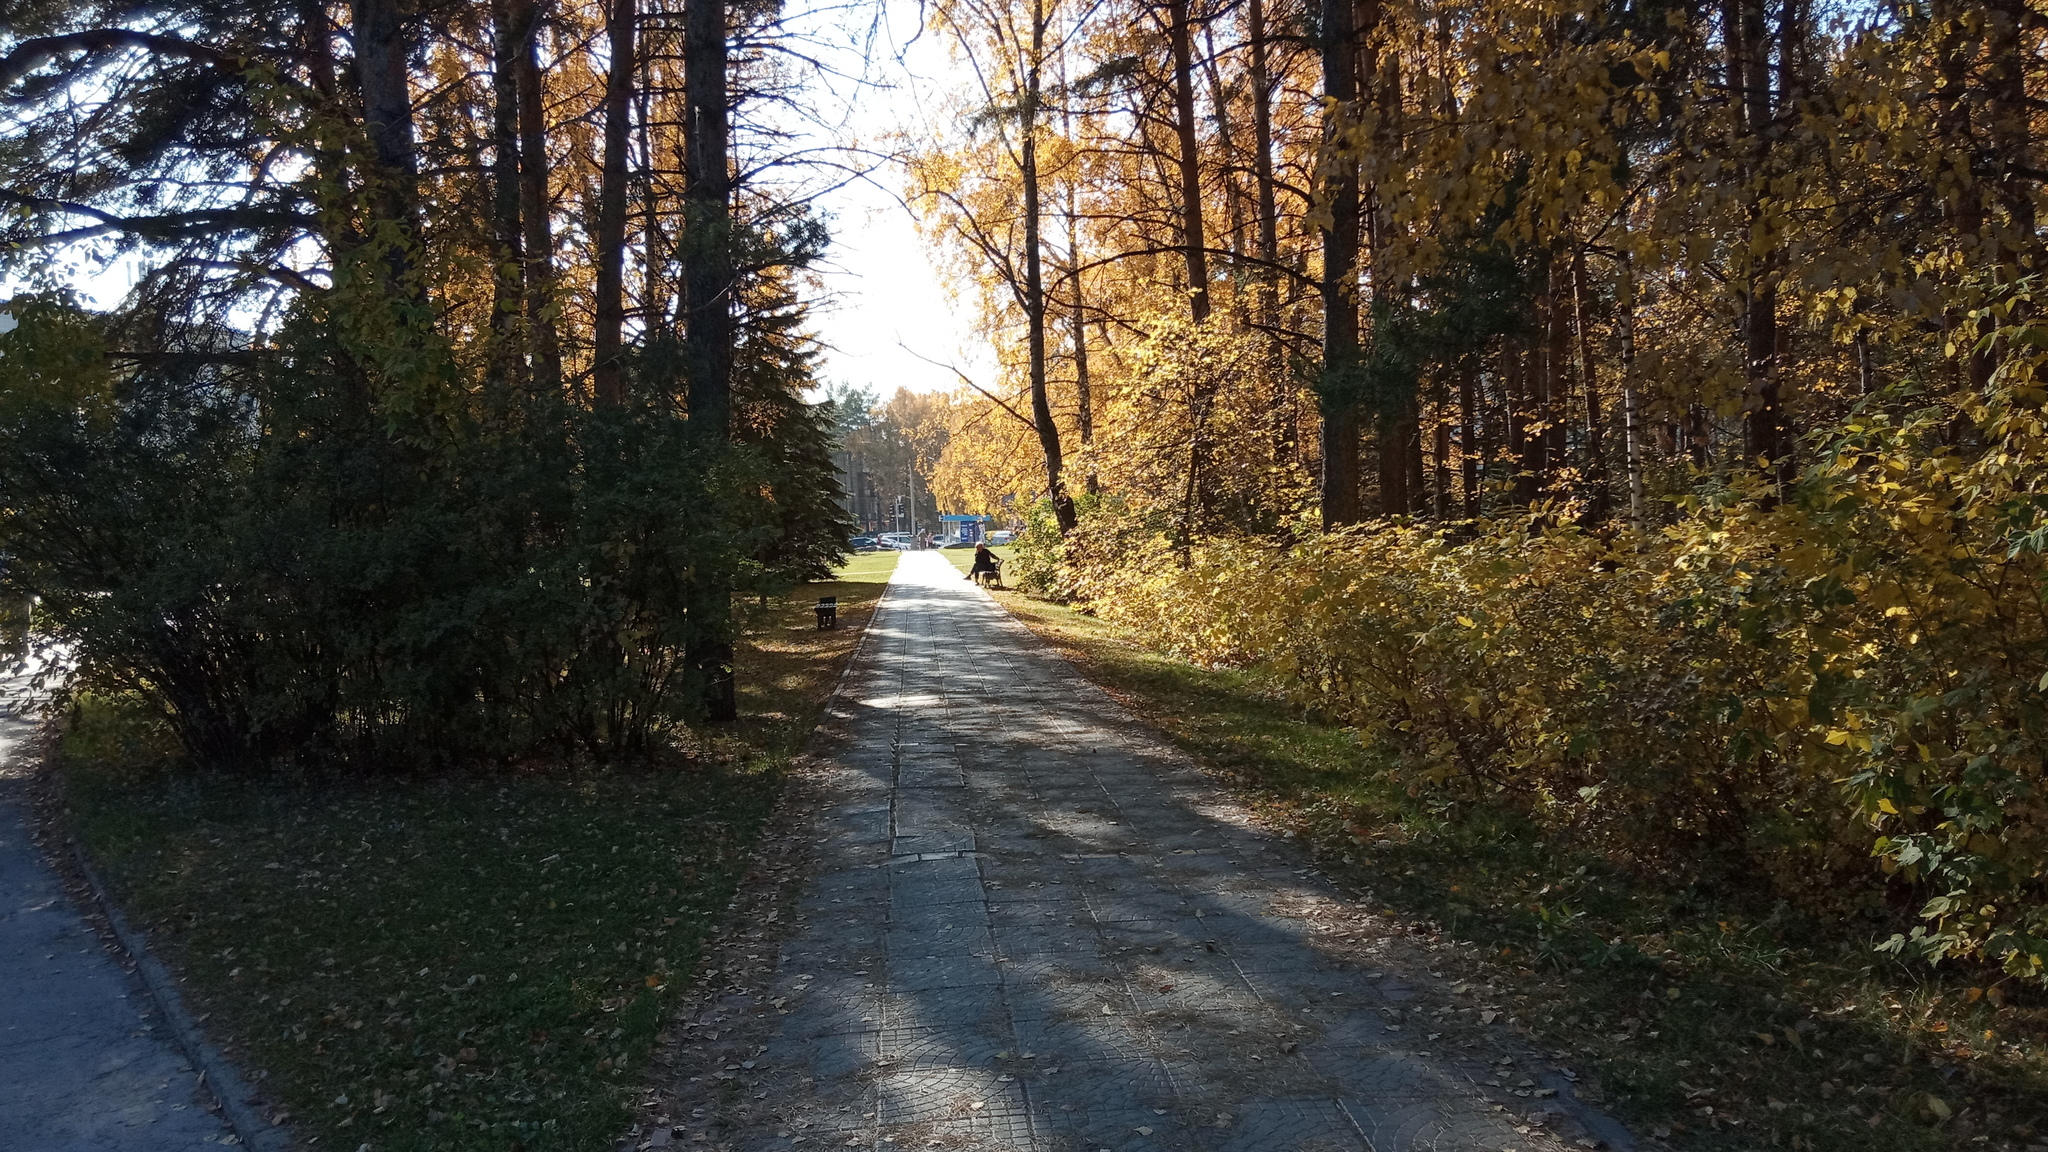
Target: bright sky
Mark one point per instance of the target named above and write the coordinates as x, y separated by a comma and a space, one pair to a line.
889, 311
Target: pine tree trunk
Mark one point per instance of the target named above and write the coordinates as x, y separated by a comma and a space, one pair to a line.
1440, 449
608, 347
1468, 440
1631, 405
1286, 429
1194, 243
1034, 282
1749, 82
708, 333
1602, 498
535, 210
1524, 442
383, 59
1341, 353
508, 272
1084, 398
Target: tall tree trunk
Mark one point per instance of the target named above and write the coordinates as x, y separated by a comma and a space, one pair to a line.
1554, 386
1468, 440
1631, 404
1749, 84
508, 35
1589, 379
1034, 281
2010, 116
1285, 422
1440, 450
1411, 435
383, 45
535, 210
1226, 146
708, 297
1522, 378
1392, 442
1400, 440
1193, 241
1342, 361
1084, 398
608, 347
1084, 392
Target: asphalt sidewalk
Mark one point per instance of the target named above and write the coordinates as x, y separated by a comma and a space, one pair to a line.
85, 1065
1032, 926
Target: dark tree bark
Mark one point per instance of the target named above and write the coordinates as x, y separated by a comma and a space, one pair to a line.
608, 347
1468, 441
1084, 393
1341, 354
1286, 430
1440, 451
383, 46
708, 277
1602, 500
1524, 443
1034, 281
508, 36
535, 210
1747, 48
1194, 242
1631, 407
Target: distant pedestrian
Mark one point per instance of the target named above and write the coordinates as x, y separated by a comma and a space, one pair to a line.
987, 569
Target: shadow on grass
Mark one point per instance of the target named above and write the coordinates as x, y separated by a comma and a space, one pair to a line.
475, 960
1704, 1013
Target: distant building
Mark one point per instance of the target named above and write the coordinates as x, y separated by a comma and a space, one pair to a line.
975, 528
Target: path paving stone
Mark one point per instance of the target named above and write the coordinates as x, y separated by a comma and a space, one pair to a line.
1031, 926
85, 1065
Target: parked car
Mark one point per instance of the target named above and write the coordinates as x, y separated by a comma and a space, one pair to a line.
955, 542
998, 539
864, 544
900, 541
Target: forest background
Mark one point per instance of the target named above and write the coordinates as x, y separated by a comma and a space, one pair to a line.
1621, 414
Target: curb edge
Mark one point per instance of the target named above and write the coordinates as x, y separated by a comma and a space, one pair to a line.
219, 1076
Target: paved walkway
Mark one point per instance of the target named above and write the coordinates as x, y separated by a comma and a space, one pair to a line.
84, 1065
1033, 928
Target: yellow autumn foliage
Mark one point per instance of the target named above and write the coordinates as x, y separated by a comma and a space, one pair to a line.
1844, 683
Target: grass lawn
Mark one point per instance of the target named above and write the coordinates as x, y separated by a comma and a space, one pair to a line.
474, 961
1709, 1018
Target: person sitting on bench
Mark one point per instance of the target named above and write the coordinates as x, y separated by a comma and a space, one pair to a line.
986, 566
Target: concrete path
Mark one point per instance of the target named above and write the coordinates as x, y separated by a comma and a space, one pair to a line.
84, 1064
1032, 927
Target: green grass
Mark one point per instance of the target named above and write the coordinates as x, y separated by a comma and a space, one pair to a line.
1706, 1015
472, 961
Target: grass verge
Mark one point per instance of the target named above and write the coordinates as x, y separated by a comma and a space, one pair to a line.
1708, 1019
476, 961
